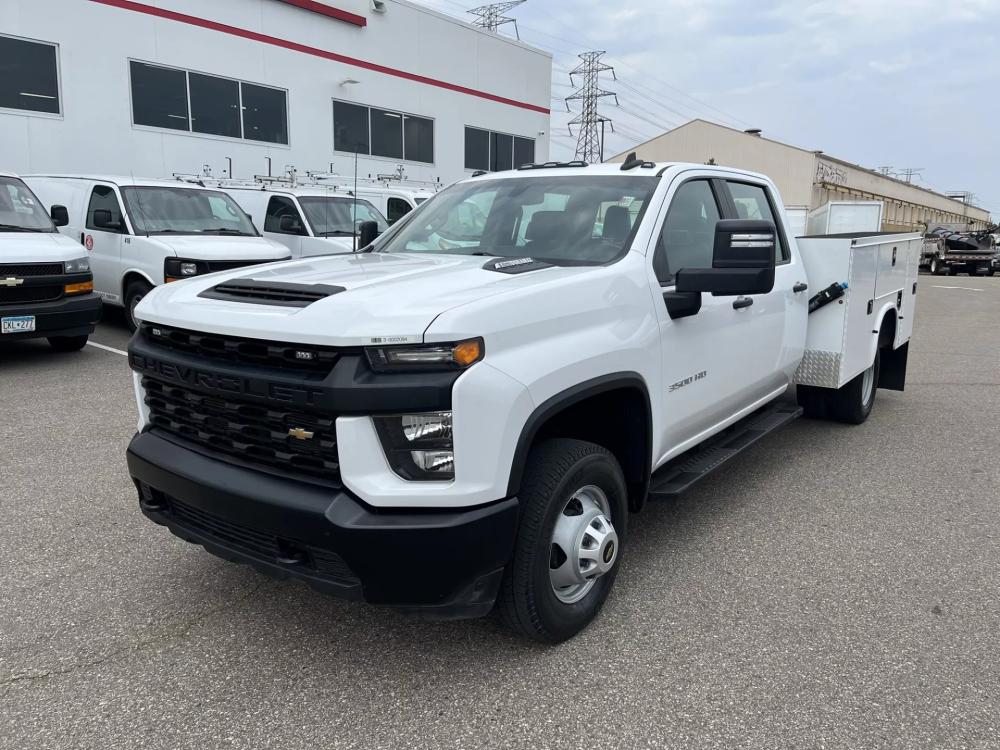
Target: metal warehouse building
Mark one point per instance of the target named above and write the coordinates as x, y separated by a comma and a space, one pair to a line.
169, 86
810, 178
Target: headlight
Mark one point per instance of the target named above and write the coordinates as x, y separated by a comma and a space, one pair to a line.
425, 356
178, 268
80, 265
419, 447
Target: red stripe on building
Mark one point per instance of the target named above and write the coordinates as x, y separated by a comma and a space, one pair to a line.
314, 51
326, 10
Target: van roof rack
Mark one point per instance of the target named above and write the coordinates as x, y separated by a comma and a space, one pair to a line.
554, 165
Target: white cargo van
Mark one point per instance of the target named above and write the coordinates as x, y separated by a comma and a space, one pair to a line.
141, 233
46, 289
307, 220
394, 200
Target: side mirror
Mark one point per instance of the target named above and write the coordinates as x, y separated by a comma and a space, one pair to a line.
103, 220
742, 261
291, 225
367, 233
60, 216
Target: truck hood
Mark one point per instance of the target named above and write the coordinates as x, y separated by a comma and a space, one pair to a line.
41, 247
386, 298
214, 247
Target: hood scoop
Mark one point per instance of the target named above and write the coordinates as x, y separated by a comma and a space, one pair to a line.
278, 293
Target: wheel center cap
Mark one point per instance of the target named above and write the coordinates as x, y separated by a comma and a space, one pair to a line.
609, 552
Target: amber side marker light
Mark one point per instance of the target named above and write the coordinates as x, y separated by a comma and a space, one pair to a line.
81, 287
467, 352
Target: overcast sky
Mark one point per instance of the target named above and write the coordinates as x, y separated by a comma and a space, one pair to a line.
901, 83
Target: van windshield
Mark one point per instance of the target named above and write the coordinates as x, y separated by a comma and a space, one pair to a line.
20, 210
562, 220
168, 210
330, 217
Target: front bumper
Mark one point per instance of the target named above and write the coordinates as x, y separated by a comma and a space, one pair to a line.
440, 564
72, 316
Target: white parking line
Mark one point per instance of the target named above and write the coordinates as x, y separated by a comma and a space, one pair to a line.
966, 288
107, 348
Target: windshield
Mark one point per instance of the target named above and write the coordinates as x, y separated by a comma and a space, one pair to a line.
167, 210
332, 216
20, 210
580, 219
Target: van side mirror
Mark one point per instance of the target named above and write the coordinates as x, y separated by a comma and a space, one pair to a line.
742, 261
367, 233
60, 216
291, 225
103, 220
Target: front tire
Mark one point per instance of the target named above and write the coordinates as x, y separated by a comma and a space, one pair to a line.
68, 343
566, 556
134, 293
938, 268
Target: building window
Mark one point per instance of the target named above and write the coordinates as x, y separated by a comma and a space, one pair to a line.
496, 152
194, 102
380, 132
29, 76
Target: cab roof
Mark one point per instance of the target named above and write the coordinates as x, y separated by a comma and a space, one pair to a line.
577, 168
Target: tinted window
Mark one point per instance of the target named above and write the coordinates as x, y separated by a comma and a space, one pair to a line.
278, 207
265, 114
477, 148
524, 151
159, 97
387, 134
350, 127
550, 218
215, 105
29, 77
688, 236
752, 203
418, 139
502, 148
103, 197
396, 209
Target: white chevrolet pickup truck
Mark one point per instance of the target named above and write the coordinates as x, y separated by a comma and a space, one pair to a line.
467, 414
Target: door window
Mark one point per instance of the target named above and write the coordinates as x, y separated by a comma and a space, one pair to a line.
397, 208
688, 236
278, 208
103, 197
752, 203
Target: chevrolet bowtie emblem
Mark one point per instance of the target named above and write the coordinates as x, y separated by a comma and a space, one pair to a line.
299, 434
11, 281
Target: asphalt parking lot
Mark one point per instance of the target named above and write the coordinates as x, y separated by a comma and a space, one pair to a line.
835, 587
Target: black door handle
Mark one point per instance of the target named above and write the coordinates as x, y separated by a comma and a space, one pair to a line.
800, 287
742, 302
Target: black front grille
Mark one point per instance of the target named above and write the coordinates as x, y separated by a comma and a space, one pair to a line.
229, 265
213, 346
30, 269
263, 545
282, 441
14, 294
280, 293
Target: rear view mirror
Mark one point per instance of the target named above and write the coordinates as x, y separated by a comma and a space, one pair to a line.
103, 220
60, 216
742, 260
367, 233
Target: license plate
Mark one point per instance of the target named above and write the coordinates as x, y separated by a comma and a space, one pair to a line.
20, 324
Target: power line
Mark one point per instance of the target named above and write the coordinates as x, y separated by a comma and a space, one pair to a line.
590, 139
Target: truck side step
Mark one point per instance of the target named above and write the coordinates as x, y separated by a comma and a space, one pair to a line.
678, 475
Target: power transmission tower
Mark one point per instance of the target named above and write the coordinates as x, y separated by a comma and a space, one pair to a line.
909, 173
590, 138
491, 17
885, 171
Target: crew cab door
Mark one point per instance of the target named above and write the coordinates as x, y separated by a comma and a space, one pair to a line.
103, 240
727, 357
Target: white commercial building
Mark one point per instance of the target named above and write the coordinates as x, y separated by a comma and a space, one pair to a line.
163, 86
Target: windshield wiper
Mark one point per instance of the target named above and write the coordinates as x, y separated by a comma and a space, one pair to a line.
336, 233
226, 230
19, 228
